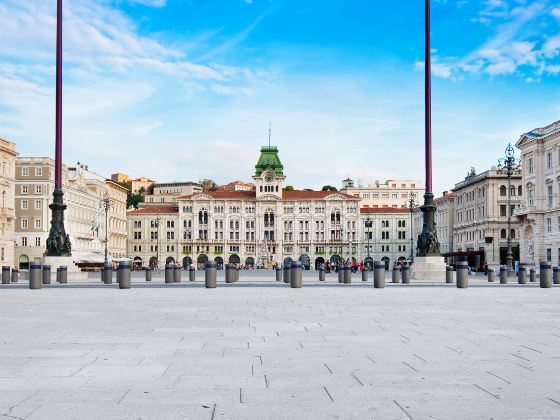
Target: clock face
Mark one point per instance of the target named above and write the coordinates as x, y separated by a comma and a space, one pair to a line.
269, 176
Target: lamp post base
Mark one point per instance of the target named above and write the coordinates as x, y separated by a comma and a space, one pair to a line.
428, 270
58, 242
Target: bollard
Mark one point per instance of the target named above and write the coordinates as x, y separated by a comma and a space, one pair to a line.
490, 274
5, 275
396, 275
321, 272
405, 274
46, 275
278, 271
341, 273
546, 275
15, 275
522, 274
177, 274
556, 275
169, 276
107, 274
364, 274
462, 274
532, 275
34, 276
378, 274
503, 275
62, 278
230, 273
148, 274
210, 275
123, 275
192, 273
287, 273
449, 274
348, 274
296, 274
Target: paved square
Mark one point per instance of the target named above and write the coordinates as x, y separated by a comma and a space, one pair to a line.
260, 350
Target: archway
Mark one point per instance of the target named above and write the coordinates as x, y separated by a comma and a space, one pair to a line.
288, 262
304, 259
187, 261
319, 261
24, 262
219, 263
368, 262
137, 262
234, 259
153, 262
336, 259
249, 261
386, 260
169, 260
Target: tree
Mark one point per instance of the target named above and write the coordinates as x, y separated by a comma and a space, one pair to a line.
328, 188
288, 188
134, 200
208, 185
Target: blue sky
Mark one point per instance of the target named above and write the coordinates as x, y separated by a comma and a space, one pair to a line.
185, 89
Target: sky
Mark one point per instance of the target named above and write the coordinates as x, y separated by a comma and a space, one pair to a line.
181, 90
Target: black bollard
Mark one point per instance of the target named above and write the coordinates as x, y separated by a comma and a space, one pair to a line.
287, 273
62, 274
503, 275
296, 274
210, 275
123, 275
46, 274
148, 274
5, 275
107, 274
230, 273
321, 272
546, 275
449, 274
490, 274
522, 274
278, 271
532, 275
192, 273
396, 274
405, 274
556, 275
462, 274
176, 274
34, 276
365, 274
169, 275
15, 275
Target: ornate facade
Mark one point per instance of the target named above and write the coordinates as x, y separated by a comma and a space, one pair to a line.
7, 204
539, 216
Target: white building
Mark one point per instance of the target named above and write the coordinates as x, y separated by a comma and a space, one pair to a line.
7, 204
390, 194
169, 192
539, 216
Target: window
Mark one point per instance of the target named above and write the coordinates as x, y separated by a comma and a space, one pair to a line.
549, 160
23, 241
38, 204
37, 241
24, 189
519, 191
24, 171
24, 223
37, 223
2, 254
38, 171
38, 189
24, 204
548, 225
503, 210
549, 195
503, 234
503, 191
549, 254
530, 165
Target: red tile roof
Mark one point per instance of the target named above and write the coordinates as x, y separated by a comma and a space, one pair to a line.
444, 197
286, 195
384, 210
154, 210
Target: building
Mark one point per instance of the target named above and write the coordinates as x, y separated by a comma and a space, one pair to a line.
84, 216
140, 185
481, 216
117, 219
154, 235
261, 226
237, 186
119, 178
388, 237
539, 214
169, 192
391, 194
7, 205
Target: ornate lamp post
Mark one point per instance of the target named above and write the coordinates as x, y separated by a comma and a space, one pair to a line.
58, 242
509, 165
156, 224
369, 224
105, 204
428, 244
411, 203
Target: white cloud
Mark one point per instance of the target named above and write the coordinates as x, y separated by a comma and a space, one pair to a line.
555, 12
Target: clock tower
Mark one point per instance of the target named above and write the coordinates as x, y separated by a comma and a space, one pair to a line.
269, 173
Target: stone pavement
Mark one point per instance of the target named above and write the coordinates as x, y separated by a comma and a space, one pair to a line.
260, 350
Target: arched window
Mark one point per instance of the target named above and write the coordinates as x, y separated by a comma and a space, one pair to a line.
503, 234
513, 234
503, 191
519, 190
512, 191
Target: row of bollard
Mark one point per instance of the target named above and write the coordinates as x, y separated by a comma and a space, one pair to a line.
8, 278
39, 275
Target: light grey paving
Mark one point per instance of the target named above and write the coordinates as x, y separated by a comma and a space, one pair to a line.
260, 350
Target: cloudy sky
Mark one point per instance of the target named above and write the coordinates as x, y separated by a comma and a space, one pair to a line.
184, 89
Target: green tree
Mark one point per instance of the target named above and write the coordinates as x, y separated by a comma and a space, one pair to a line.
328, 188
288, 188
208, 185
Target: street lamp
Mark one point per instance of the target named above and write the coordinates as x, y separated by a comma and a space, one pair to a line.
105, 204
369, 224
411, 203
156, 224
509, 165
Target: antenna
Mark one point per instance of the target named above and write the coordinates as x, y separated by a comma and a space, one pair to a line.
269, 132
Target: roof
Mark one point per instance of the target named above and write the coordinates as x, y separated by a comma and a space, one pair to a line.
154, 209
286, 195
539, 133
269, 160
444, 197
384, 210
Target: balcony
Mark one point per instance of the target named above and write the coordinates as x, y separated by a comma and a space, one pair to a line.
523, 211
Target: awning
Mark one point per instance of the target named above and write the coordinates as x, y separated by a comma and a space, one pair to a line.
82, 257
464, 254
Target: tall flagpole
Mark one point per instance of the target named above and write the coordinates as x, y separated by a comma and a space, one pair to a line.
58, 242
428, 244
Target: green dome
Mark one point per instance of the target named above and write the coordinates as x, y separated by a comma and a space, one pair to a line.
269, 160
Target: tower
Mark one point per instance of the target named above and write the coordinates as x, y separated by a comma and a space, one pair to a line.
269, 173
